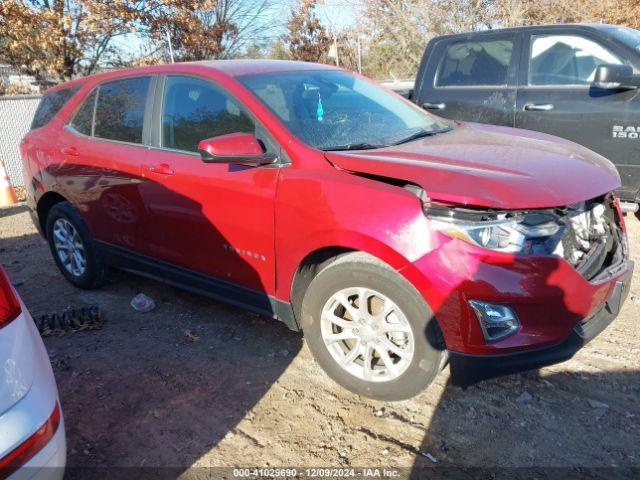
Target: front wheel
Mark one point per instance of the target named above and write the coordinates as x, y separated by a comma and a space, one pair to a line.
370, 330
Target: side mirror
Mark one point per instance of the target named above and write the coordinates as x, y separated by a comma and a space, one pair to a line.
612, 76
241, 148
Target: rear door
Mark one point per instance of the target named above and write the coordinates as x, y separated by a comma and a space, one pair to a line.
556, 96
471, 78
102, 147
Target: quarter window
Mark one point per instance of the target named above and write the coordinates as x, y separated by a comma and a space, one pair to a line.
51, 104
194, 110
82, 121
484, 63
120, 109
566, 60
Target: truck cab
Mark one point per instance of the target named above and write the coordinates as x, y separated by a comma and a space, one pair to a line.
542, 78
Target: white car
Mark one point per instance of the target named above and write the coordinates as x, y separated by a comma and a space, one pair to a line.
32, 439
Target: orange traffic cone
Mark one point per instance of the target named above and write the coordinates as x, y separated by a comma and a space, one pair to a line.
7, 195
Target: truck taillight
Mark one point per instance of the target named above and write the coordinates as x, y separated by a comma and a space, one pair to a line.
9, 304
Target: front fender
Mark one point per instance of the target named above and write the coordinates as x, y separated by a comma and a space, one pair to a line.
337, 209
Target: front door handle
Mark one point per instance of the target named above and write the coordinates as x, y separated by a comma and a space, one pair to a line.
162, 169
538, 107
70, 151
434, 106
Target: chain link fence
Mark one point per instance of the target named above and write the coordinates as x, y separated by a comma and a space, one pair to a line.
16, 113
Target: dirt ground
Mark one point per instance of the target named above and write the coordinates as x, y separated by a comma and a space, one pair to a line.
248, 393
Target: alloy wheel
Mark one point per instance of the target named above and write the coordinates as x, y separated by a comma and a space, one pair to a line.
69, 247
367, 334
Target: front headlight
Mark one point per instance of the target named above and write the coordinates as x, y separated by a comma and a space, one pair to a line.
521, 233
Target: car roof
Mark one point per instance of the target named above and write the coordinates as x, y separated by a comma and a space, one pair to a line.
246, 67
232, 68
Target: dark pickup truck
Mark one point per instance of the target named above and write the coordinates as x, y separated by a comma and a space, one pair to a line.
574, 81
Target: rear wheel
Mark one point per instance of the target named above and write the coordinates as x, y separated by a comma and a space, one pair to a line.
73, 248
370, 330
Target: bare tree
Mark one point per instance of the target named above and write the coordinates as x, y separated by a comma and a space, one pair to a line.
278, 50
347, 46
212, 29
256, 20
397, 33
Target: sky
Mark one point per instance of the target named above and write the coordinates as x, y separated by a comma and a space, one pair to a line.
334, 15
338, 14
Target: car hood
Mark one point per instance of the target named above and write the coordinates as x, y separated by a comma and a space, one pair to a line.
490, 166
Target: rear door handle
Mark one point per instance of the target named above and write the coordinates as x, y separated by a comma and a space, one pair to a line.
162, 169
434, 106
539, 107
70, 151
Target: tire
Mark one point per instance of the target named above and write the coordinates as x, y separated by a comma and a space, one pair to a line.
418, 352
93, 274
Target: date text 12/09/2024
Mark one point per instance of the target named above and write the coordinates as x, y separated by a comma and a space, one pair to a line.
316, 472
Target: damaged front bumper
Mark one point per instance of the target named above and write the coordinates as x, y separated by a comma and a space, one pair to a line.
561, 297
467, 369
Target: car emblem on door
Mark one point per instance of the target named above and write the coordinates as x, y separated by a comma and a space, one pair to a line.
244, 253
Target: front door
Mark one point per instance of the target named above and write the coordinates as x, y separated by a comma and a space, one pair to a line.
472, 80
215, 219
556, 96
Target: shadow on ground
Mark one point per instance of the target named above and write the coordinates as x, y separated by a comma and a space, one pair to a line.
128, 405
534, 434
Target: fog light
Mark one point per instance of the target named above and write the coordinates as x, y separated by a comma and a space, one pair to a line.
497, 321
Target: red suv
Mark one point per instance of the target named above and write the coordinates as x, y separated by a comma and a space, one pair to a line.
396, 240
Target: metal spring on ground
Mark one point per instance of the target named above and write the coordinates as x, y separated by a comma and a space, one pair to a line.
70, 320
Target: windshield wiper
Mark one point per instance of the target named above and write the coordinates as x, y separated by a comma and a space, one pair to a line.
421, 134
369, 146
353, 146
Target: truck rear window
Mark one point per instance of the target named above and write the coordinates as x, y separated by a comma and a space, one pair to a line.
51, 104
475, 63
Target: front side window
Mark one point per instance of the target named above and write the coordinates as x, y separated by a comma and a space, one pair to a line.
194, 110
51, 104
120, 109
335, 110
475, 64
566, 60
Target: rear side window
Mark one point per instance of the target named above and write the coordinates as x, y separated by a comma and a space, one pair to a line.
194, 110
471, 64
120, 108
82, 121
51, 104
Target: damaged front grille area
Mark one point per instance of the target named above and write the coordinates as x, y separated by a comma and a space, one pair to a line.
592, 240
588, 235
